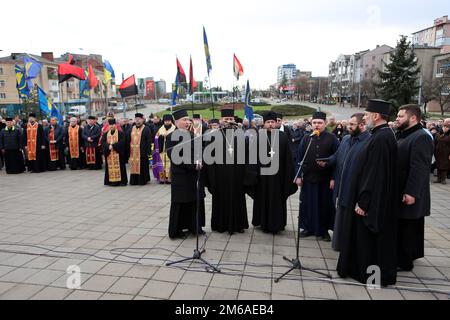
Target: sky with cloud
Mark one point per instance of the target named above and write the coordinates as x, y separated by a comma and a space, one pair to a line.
145, 37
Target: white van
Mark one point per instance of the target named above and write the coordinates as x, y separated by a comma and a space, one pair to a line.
77, 111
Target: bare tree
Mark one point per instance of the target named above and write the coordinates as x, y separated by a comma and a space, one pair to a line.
441, 93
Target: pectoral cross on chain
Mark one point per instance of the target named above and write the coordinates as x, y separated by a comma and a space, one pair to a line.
272, 153
230, 150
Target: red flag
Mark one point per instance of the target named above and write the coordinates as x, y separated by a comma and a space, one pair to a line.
93, 81
128, 87
192, 83
237, 67
67, 71
181, 74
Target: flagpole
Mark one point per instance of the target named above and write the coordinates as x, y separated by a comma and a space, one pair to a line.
210, 92
61, 101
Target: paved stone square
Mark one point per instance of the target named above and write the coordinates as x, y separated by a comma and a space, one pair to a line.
118, 239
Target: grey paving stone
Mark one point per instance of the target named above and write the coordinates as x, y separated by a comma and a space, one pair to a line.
168, 274
21, 292
214, 293
158, 289
44, 277
52, 293
188, 292
84, 295
128, 286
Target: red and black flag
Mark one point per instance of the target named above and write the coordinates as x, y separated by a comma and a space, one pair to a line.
192, 83
181, 74
68, 70
128, 87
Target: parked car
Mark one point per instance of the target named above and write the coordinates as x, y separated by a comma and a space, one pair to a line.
77, 111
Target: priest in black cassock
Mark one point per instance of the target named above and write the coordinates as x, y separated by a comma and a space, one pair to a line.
11, 149
316, 208
91, 136
55, 140
227, 182
114, 149
415, 153
33, 143
272, 191
185, 175
371, 240
75, 144
138, 149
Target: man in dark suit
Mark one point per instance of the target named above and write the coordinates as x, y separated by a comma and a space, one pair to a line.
415, 152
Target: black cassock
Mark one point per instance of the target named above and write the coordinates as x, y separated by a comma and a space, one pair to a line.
316, 208
38, 165
183, 202
272, 191
145, 148
10, 143
415, 152
75, 163
121, 149
228, 184
371, 240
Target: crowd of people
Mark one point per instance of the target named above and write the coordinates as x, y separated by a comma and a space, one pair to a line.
365, 179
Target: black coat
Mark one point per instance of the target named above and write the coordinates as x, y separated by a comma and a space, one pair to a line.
59, 136
415, 152
94, 133
10, 139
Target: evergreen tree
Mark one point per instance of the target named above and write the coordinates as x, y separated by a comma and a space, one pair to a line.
399, 82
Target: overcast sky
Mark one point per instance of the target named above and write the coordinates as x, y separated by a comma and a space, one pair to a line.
144, 37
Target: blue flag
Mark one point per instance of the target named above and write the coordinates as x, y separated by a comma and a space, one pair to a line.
207, 54
108, 71
84, 86
248, 106
175, 91
21, 83
47, 107
32, 68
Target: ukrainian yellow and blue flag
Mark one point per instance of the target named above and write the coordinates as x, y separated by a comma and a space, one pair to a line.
47, 107
208, 56
21, 83
108, 71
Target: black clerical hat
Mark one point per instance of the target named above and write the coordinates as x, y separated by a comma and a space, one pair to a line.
319, 115
196, 116
138, 115
227, 113
32, 115
91, 118
8, 119
167, 117
112, 121
177, 115
270, 115
379, 106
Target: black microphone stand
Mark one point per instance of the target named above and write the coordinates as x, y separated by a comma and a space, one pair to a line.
197, 252
296, 263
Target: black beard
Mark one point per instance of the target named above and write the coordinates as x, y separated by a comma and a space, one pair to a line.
356, 132
403, 126
167, 126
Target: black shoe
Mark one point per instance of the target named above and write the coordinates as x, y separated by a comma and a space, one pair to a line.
326, 238
305, 233
179, 235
